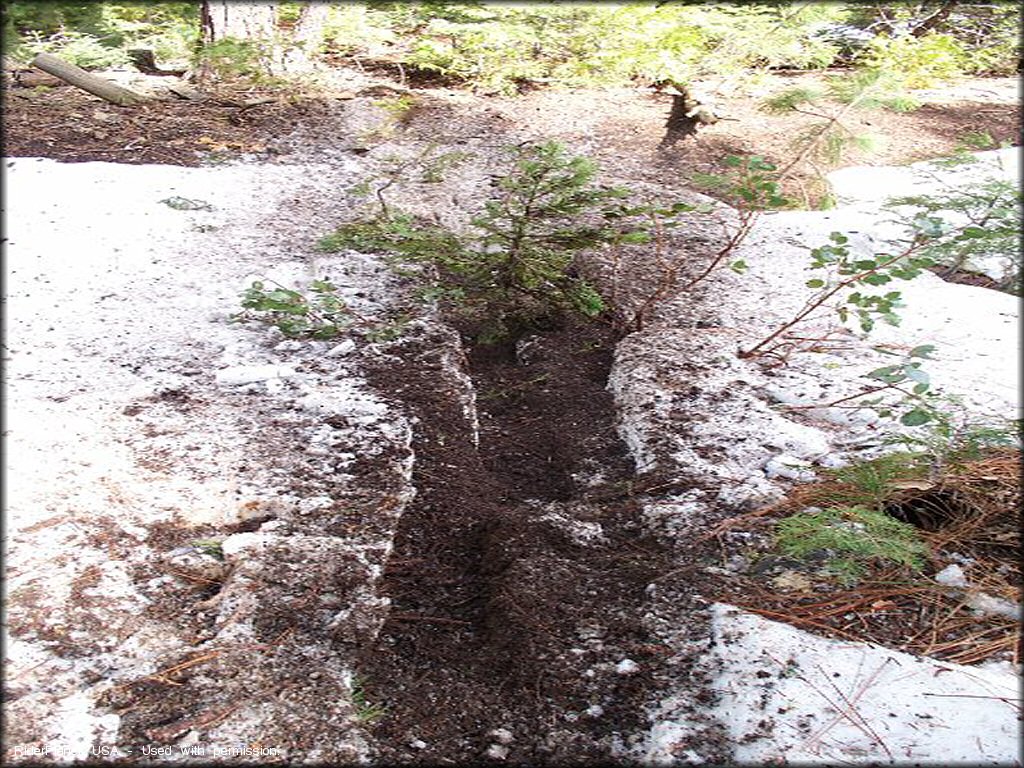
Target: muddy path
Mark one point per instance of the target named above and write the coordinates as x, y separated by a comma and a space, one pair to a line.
519, 573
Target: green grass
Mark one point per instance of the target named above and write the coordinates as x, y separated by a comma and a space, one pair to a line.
366, 713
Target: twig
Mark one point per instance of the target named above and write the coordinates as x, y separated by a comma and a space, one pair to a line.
432, 619
1006, 699
857, 695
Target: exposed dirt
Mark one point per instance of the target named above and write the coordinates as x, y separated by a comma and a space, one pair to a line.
519, 573
621, 128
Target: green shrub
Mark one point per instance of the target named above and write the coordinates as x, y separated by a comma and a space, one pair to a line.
871, 481
919, 62
97, 35
513, 271
499, 47
83, 50
352, 27
229, 59
854, 537
321, 314
982, 221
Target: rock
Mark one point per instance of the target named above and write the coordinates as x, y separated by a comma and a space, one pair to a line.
627, 667
501, 735
497, 752
951, 576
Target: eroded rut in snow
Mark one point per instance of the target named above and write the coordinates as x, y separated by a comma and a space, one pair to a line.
519, 573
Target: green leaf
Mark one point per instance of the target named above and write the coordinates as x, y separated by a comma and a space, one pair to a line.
929, 226
922, 351
682, 207
635, 237
890, 374
915, 418
739, 266
815, 283
876, 279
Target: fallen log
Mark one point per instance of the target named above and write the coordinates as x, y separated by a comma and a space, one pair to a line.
79, 78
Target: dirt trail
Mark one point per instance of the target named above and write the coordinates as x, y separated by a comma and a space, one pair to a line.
518, 592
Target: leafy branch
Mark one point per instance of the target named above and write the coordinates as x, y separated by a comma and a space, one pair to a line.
894, 378
320, 315
864, 89
875, 271
752, 189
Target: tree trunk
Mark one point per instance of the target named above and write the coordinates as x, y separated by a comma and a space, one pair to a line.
79, 78
935, 19
145, 62
247, 22
241, 21
309, 31
256, 22
296, 56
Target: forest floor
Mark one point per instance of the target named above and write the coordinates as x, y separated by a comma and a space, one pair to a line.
524, 622
619, 127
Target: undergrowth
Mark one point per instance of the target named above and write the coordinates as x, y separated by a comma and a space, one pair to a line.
514, 269
848, 517
854, 537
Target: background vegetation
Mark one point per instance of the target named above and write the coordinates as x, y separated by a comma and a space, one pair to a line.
503, 47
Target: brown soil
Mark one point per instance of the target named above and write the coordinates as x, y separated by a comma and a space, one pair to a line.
500, 618
622, 127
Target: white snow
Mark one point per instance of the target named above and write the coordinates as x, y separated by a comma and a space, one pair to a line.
501, 735
627, 667
789, 697
951, 576
131, 401
497, 752
857, 190
247, 374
